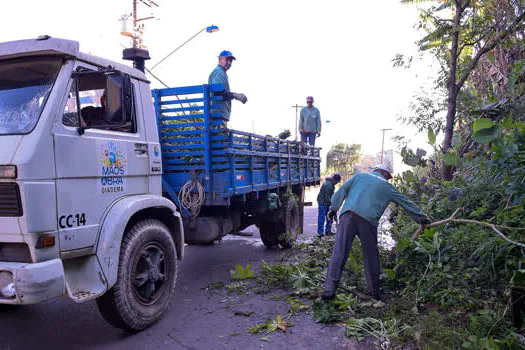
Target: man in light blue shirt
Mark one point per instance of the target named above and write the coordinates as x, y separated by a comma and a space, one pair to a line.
310, 122
365, 196
219, 76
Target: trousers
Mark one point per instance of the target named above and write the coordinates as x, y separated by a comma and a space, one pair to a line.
350, 225
321, 219
308, 137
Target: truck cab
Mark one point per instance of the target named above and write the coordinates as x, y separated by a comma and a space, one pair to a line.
81, 206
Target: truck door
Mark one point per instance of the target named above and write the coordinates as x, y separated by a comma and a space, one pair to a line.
99, 158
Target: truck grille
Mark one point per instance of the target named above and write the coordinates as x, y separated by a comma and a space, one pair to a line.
15, 252
10, 203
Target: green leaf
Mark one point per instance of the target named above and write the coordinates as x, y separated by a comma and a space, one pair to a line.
390, 274
482, 123
490, 56
451, 157
519, 278
409, 176
487, 135
257, 328
431, 136
241, 273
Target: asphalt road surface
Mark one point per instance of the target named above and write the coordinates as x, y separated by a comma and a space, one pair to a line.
199, 318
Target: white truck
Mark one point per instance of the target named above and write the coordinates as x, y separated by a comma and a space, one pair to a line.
92, 163
81, 206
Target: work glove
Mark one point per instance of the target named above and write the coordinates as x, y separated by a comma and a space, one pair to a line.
240, 97
331, 215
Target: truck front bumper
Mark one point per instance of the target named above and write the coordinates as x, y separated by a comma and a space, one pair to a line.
22, 283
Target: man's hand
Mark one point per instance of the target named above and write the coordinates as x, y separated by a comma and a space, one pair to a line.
331, 215
240, 97
318, 134
423, 224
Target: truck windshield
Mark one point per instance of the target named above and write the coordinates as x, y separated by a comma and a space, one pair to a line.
25, 84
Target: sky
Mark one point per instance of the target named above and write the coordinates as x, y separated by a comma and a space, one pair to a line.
338, 51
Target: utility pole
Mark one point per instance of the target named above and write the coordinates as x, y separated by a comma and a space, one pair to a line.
137, 30
296, 125
134, 22
383, 144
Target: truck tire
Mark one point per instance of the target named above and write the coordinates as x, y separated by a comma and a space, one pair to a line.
268, 234
288, 230
146, 278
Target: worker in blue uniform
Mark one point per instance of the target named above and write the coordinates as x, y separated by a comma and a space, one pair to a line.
324, 201
365, 196
219, 76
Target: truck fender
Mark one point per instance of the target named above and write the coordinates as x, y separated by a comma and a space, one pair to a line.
114, 225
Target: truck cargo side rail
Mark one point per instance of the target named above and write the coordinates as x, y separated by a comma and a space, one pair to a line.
195, 138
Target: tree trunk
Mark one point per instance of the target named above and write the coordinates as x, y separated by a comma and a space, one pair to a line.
452, 89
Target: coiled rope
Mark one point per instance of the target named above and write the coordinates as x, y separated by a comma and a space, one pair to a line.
191, 196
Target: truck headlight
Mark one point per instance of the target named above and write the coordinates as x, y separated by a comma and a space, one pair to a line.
7, 285
7, 171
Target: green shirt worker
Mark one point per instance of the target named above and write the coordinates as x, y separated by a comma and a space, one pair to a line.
310, 122
365, 196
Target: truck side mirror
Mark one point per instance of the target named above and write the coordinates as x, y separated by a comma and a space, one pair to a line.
119, 97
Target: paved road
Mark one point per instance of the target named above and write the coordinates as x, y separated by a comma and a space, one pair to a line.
199, 318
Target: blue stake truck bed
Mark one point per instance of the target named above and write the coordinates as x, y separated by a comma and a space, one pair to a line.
225, 180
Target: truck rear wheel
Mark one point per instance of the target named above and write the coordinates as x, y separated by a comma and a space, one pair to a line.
146, 278
268, 233
284, 231
288, 230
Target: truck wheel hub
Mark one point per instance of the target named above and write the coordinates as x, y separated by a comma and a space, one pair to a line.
149, 274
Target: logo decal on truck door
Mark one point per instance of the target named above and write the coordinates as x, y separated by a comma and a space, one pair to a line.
113, 161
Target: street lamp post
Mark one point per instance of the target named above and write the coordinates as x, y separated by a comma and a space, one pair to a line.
209, 29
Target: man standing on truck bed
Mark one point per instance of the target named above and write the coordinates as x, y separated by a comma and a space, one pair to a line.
310, 122
365, 196
324, 199
219, 76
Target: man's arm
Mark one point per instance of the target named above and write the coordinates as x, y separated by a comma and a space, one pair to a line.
340, 195
301, 121
217, 78
412, 209
331, 189
318, 121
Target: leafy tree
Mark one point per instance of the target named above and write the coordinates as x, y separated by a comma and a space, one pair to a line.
342, 158
460, 33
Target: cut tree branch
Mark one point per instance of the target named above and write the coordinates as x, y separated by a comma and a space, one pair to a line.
495, 228
433, 224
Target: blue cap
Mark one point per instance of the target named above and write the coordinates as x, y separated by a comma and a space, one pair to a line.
227, 53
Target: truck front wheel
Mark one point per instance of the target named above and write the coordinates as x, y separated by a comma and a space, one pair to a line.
146, 278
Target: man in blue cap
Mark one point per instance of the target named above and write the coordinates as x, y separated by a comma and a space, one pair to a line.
365, 196
219, 76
